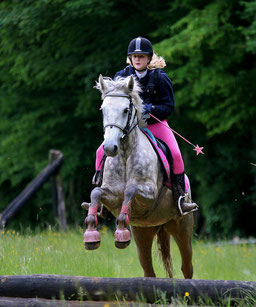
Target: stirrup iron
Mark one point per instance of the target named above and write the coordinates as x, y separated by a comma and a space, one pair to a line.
183, 213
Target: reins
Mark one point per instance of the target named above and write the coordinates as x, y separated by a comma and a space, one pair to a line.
127, 129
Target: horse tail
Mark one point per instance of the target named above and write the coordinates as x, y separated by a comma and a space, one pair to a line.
163, 242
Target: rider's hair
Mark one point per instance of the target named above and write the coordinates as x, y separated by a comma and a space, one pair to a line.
156, 62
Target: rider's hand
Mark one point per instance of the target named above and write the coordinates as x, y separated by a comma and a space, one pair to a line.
147, 108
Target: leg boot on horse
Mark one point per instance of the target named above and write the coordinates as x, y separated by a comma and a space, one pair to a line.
91, 235
122, 233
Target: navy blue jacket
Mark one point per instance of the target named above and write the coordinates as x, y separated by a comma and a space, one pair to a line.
162, 100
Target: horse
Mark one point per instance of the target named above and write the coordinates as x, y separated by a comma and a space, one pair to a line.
133, 188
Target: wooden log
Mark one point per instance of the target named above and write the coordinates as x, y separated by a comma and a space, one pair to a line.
111, 289
59, 207
29, 191
32, 302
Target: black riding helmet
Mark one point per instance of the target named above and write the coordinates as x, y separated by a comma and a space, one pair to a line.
140, 45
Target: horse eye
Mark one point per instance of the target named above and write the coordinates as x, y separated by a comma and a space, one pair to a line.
126, 110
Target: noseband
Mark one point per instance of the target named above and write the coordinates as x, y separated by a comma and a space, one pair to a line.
127, 128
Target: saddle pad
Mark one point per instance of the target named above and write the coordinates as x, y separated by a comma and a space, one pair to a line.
160, 154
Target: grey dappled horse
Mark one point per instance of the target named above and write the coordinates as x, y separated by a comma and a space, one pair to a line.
132, 188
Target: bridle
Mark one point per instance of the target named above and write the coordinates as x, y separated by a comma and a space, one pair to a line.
127, 129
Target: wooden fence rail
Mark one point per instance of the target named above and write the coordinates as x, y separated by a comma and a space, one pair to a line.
112, 289
52, 170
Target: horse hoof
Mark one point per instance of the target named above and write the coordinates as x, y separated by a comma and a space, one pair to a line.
122, 238
122, 245
91, 239
91, 245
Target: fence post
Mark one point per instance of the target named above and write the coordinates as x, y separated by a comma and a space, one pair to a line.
59, 208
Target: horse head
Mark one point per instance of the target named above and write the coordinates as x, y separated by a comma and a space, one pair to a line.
121, 109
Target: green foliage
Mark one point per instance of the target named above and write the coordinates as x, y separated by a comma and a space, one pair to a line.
250, 30
206, 50
51, 53
209, 52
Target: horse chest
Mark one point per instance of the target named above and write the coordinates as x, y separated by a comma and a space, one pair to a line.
114, 174
141, 165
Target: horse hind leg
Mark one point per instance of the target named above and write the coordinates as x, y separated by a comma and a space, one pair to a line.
122, 233
183, 238
91, 235
143, 237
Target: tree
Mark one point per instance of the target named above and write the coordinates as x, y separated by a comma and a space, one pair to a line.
51, 53
211, 59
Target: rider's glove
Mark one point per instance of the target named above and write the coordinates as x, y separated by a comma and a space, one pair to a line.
147, 108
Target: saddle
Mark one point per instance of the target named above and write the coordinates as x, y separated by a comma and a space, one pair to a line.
164, 154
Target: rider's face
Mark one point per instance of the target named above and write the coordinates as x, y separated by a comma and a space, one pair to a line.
140, 61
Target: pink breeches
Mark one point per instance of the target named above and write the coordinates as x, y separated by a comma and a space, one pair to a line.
99, 156
163, 133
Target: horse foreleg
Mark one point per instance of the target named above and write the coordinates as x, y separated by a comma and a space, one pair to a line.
122, 233
91, 235
183, 237
144, 239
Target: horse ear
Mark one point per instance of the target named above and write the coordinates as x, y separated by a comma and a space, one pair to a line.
101, 83
130, 84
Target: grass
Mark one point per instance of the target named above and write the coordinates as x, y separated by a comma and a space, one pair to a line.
52, 252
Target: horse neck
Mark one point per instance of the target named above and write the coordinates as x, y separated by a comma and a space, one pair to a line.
129, 144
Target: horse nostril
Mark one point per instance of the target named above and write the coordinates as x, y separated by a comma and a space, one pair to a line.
115, 148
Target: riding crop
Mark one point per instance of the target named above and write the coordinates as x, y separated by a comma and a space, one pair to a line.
199, 150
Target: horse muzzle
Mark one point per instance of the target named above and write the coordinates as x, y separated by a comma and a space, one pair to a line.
110, 149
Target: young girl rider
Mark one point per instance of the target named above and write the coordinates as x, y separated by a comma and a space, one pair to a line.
158, 99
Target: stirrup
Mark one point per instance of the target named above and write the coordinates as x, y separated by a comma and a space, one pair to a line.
183, 213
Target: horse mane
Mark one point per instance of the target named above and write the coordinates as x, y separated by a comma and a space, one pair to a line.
120, 85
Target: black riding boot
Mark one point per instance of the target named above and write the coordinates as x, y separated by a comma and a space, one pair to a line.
178, 189
98, 176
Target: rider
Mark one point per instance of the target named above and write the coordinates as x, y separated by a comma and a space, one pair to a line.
158, 99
